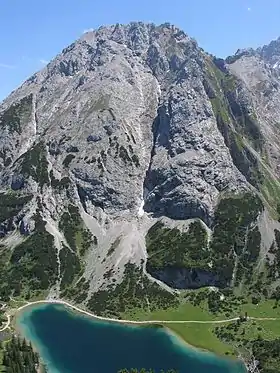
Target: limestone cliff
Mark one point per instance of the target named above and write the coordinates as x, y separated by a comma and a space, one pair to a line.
129, 125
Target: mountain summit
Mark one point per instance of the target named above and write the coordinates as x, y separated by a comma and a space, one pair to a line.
135, 154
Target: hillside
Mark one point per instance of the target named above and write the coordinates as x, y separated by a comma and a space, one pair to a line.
136, 170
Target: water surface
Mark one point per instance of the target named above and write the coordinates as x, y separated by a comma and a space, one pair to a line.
71, 342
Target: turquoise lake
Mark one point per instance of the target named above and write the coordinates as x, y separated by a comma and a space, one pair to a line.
70, 342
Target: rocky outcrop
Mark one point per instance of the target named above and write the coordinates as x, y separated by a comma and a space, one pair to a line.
128, 124
183, 278
147, 114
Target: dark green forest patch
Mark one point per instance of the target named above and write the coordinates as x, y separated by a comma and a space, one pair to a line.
135, 291
34, 163
11, 204
17, 115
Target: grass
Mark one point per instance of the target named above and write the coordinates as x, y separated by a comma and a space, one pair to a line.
201, 336
270, 189
261, 337
226, 105
19, 301
233, 120
138, 299
198, 335
78, 237
219, 110
253, 329
84, 240
271, 329
264, 309
185, 311
250, 128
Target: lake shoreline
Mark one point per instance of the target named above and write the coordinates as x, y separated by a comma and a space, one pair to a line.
175, 338
138, 323
19, 329
157, 325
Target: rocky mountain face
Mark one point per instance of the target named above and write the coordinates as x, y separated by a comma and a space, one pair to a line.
134, 147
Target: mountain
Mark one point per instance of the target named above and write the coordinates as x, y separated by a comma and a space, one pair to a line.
135, 161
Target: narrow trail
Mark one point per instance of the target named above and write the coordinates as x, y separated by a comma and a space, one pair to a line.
121, 321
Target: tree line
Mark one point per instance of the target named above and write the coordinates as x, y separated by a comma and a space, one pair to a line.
19, 357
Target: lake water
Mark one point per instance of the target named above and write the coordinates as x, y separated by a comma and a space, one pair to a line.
70, 342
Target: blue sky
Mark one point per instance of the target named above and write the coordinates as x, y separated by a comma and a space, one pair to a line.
34, 31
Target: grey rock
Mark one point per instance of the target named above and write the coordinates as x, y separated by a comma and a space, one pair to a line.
24, 227
3, 230
134, 113
135, 104
259, 91
72, 149
54, 148
183, 278
17, 182
109, 128
93, 138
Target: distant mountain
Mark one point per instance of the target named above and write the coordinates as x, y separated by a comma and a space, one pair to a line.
271, 53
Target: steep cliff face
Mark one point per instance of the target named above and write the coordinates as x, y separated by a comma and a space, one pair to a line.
127, 125
127, 106
258, 70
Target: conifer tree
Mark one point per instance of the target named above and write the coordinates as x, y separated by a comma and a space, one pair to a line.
19, 357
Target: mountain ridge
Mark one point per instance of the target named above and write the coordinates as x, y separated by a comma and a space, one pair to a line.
139, 174
129, 125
